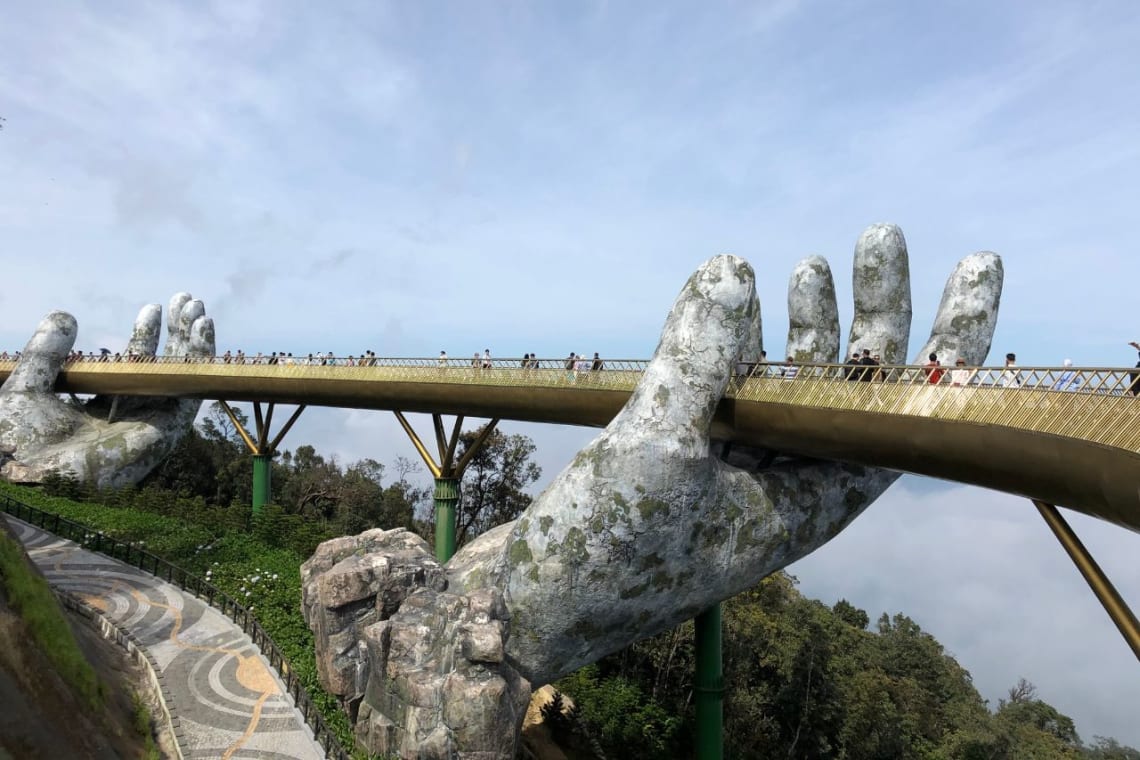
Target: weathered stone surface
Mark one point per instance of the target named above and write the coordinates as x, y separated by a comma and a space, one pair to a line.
50, 435
421, 669
881, 279
813, 313
968, 313
647, 526
349, 584
482, 642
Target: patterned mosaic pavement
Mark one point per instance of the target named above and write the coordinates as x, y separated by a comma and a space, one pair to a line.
224, 698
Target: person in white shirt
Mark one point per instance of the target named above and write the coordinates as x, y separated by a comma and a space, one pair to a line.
960, 375
1011, 378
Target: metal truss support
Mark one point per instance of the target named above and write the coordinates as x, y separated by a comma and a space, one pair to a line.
709, 682
1114, 605
262, 447
447, 473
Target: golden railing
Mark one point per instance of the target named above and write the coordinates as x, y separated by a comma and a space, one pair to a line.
1096, 405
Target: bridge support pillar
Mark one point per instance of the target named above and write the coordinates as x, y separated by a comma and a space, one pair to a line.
447, 473
709, 682
446, 501
262, 447
262, 481
1109, 597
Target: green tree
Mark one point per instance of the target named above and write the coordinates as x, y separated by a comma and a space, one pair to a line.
851, 614
211, 461
493, 490
1034, 728
1105, 748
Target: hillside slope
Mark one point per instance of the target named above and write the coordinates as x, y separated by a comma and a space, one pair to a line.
79, 702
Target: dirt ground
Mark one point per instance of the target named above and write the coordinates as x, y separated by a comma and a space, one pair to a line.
42, 718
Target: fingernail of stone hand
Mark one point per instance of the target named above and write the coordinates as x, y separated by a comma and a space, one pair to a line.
44, 354
882, 294
813, 314
968, 312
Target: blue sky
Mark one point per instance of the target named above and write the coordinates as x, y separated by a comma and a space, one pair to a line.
406, 177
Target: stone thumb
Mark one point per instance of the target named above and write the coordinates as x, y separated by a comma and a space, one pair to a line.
44, 355
705, 331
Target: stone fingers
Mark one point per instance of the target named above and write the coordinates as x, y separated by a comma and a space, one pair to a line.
706, 330
189, 332
44, 354
646, 475
967, 315
200, 342
881, 285
754, 342
174, 335
144, 337
813, 314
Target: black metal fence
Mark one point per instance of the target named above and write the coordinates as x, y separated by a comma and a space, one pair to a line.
94, 540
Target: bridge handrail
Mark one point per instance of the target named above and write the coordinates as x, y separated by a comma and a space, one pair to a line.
97, 541
1112, 380
1097, 405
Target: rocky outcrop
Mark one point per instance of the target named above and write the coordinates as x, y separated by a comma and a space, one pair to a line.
420, 670
349, 584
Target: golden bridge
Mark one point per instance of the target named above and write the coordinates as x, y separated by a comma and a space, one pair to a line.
1056, 435
1061, 435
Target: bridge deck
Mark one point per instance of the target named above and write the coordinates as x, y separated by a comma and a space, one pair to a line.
1063, 436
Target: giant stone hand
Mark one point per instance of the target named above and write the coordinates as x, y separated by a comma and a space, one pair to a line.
652, 522
42, 433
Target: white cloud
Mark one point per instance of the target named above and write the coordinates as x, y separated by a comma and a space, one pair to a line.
401, 178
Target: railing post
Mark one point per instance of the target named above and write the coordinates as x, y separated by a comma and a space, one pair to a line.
709, 685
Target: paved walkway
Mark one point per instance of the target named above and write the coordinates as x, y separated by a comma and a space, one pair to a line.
227, 702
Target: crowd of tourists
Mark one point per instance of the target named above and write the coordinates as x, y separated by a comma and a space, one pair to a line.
862, 366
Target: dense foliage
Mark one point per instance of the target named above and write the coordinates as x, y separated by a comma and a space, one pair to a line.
256, 566
803, 680
194, 512
314, 498
807, 681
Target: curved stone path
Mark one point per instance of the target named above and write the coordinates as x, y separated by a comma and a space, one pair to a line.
225, 700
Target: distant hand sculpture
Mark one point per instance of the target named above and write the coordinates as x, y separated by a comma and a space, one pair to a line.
43, 433
649, 525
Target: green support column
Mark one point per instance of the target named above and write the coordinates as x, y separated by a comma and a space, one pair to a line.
262, 481
709, 685
262, 448
446, 499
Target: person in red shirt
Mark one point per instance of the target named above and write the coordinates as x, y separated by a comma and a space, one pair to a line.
934, 370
